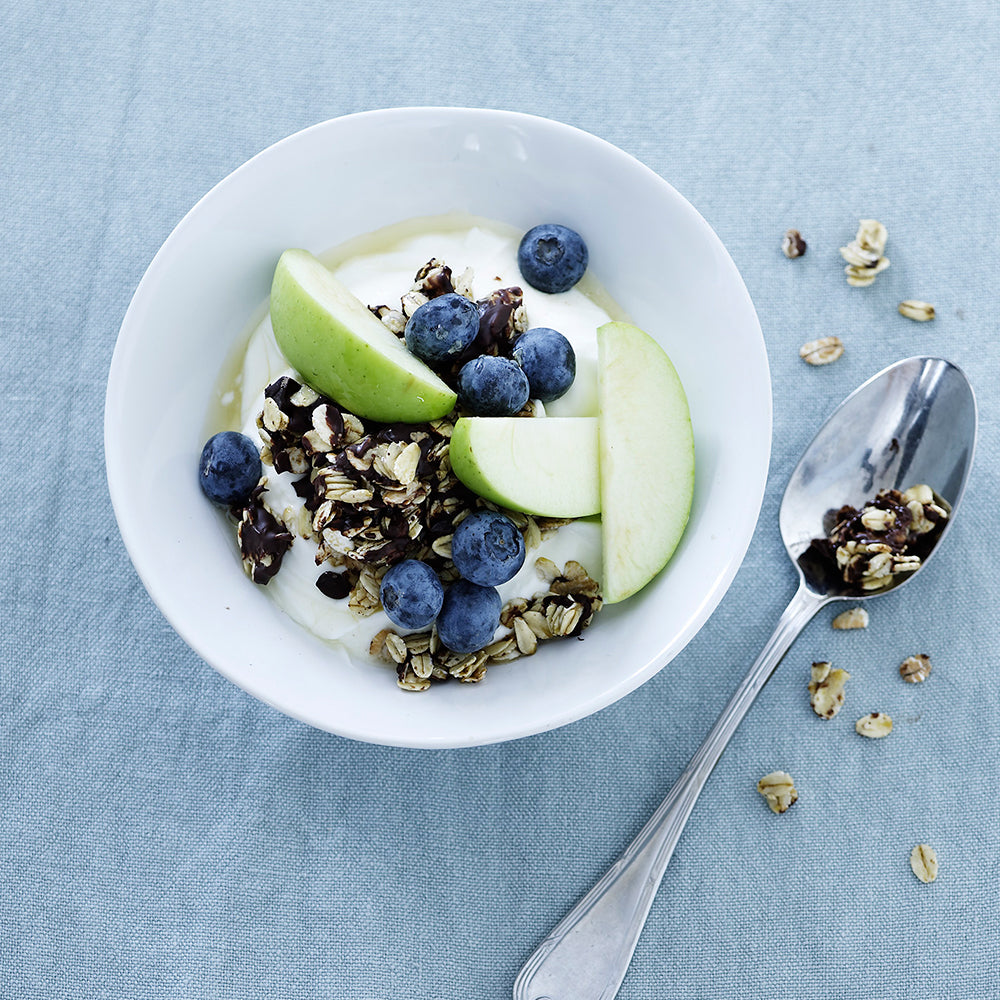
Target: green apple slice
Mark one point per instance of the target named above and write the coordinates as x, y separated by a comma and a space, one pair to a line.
342, 350
539, 465
646, 458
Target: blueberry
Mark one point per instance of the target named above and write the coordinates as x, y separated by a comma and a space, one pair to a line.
229, 468
442, 328
552, 258
487, 548
548, 360
492, 387
411, 594
469, 617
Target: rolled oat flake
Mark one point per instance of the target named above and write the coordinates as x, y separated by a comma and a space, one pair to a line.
916, 310
823, 351
924, 862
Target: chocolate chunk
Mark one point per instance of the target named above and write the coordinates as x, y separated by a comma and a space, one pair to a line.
303, 488
334, 585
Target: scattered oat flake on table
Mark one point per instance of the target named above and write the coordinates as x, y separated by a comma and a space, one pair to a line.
861, 277
924, 862
916, 310
874, 725
915, 669
864, 253
827, 689
793, 245
778, 789
853, 618
822, 351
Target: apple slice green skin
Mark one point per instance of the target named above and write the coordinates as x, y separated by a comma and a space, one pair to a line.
343, 351
545, 466
646, 458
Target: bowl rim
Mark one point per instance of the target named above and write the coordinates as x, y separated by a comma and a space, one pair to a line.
158, 589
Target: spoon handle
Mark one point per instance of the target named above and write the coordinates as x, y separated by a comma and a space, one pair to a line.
587, 953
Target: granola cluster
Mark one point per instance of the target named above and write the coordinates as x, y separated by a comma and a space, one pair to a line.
826, 688
865, 253
778, 790
565, 609
885, 538
374, 494
502, 317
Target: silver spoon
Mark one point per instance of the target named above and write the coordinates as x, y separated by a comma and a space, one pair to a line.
914, 422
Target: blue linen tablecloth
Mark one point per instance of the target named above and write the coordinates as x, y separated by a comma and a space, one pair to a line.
162, 834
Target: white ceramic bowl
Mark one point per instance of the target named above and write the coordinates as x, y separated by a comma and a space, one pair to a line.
652, 251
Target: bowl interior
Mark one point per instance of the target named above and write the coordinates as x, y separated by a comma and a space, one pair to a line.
651, 250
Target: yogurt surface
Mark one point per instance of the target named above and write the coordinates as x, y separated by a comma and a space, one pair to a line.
379, 269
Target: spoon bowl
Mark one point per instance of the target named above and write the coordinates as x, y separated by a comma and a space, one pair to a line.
913, 422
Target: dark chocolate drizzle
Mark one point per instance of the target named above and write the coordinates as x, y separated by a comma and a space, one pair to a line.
263, 540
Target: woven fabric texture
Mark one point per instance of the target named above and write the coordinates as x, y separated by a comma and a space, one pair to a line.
162, 834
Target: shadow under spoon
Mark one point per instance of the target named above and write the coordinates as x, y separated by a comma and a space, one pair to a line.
912, 423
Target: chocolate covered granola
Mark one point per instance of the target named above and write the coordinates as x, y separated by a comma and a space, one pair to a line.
886, 538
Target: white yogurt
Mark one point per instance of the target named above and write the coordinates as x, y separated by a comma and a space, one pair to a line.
378, 269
